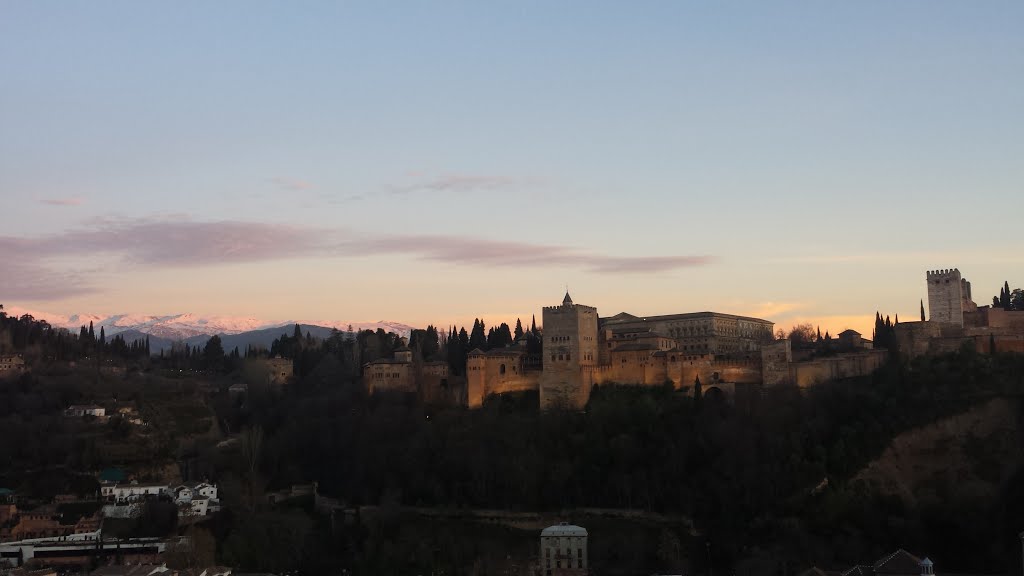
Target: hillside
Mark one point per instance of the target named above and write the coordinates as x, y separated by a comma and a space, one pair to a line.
976, 451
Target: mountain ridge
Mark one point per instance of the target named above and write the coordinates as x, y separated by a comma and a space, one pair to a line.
187, 327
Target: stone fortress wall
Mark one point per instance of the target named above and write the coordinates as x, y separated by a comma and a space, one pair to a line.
955, 321
581, 350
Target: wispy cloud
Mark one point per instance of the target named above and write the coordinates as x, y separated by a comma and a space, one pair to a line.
169, 241
69, 201
292, 184
457, 183
475, 251
24, 282
178, 241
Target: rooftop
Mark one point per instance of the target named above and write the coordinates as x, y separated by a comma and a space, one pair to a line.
564, 529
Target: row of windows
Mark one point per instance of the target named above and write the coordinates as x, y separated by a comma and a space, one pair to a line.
560, 357
559, 338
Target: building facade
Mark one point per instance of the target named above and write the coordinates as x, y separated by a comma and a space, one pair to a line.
563, 550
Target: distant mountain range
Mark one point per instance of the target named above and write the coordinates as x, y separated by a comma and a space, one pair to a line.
194, 330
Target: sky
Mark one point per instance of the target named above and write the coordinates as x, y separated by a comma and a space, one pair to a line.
433, 162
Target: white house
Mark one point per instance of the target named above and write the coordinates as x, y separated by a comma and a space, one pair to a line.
563, 550
128, 493
196, 498
78, 410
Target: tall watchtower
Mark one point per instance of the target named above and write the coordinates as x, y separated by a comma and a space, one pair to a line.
946, 296
570, 347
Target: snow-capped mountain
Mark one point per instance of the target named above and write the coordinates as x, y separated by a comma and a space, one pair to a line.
184, 326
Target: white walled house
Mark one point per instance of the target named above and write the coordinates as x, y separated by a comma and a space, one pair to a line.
128, 493
563, 550
78, 410
196, 498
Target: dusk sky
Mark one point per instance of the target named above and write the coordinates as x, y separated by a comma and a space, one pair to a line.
432, 162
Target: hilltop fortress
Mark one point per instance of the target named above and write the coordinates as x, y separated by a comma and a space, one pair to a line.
955, 320
723, 351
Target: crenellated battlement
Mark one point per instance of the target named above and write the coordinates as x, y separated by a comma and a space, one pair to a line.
943, 272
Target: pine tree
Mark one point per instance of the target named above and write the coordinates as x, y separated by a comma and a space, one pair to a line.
478, 338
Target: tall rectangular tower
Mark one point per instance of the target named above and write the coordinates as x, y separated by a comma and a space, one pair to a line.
570, 350
946, 297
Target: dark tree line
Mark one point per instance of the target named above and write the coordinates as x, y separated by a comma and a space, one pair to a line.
37, 339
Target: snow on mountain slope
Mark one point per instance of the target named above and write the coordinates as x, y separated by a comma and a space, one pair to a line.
182, 326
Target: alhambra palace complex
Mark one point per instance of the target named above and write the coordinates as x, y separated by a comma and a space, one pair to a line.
727, 353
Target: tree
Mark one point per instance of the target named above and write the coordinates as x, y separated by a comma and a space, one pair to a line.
801, 335
1017, 299
195, 551
478, 337
922, 310
519, 329
213, 353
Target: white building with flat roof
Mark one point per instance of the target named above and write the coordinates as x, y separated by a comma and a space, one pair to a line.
563, 550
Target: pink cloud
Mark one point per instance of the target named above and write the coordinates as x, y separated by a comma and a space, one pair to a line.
475, 251
177, 241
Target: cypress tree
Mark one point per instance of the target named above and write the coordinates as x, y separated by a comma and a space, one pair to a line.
1004, 296
922, 310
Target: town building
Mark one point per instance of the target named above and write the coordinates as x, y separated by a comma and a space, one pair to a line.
279, 370
401, 373
122, 494
46, 522
11, 365
196, 499
898, 563
78, 411
563, 550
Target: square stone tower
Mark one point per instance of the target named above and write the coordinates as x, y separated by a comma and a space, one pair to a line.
946, 296
570, 353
